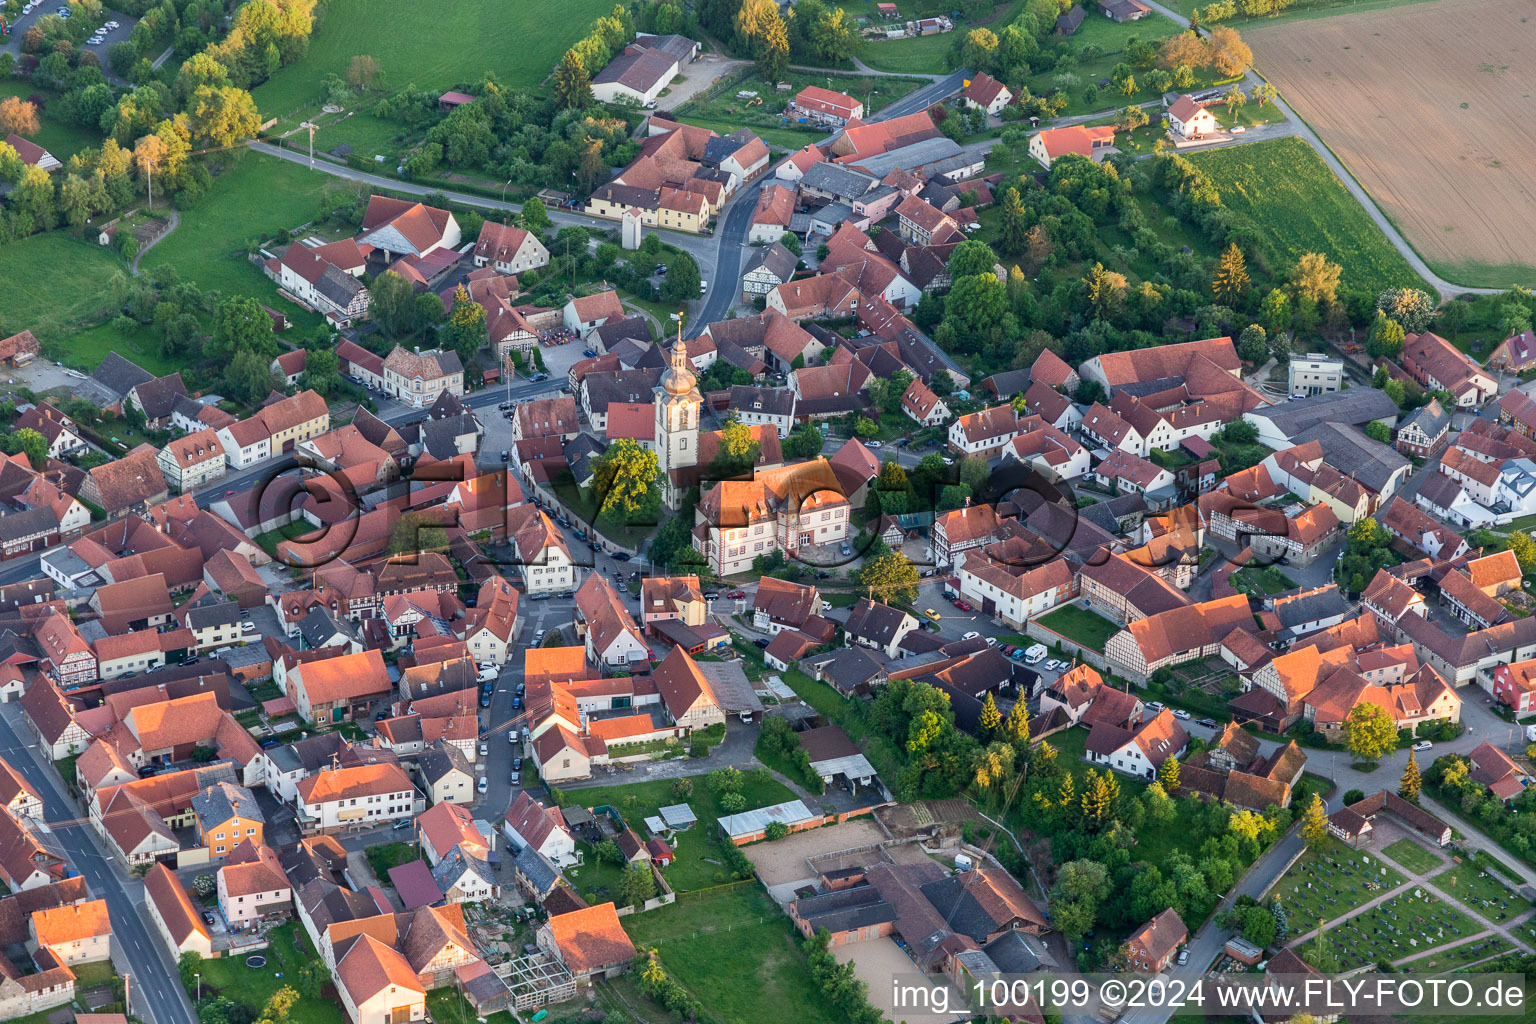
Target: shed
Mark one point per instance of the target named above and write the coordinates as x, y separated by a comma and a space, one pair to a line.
678, 817
750, 825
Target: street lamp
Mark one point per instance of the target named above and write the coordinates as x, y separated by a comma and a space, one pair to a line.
504, 190
199, 987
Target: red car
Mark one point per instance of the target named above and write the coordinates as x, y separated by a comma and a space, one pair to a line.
737, 595
964, 607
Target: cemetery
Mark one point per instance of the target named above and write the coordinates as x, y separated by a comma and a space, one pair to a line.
1326, 884
1410, 921
1484, 894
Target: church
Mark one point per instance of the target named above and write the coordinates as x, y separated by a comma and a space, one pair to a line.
678, 402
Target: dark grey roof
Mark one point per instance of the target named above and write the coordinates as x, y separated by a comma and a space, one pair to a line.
321, 624
779, 261
846, 668
1430, 418
927, 359
874, 622
28, 522
927, 154
221, 613
1014, 951
1353, 454
337, 285
447, 872
158, 396
1439, 490
832, 213
678, 46
1356, 406
845, 910
441, 758
1321, 604
940, 196
120, 376
441, 437
447, 404
951, 896
619, 386
1008, 383
614, 331
308, 755
218, 803
629, 195
539, 870
838, 180
767, 401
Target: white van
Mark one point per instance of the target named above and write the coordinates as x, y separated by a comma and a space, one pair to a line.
1034, 655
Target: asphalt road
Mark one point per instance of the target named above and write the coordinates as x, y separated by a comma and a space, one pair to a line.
11, 43
157, 992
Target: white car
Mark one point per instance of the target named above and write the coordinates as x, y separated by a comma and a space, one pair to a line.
1423, 745
247, 627
1181, 713
1238, 129
972, 635
1154, 706
483, 785
113, 24
485, 749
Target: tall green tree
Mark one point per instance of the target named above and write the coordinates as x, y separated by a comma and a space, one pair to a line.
891, 577
1231, 280
392, 303
466, 330
1411, 784
1369, 732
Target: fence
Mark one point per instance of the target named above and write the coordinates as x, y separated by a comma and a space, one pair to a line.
710, 890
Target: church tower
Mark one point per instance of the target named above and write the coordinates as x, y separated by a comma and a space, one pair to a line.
677, 401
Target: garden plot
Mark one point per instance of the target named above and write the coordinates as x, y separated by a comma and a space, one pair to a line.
1326, 885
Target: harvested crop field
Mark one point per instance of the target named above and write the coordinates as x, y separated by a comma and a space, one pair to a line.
1429, 105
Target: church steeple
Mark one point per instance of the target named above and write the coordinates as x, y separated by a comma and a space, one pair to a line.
678, 402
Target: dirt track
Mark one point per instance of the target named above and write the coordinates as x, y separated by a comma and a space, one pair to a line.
1430, 106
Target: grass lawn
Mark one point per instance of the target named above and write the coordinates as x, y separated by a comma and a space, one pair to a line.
54, 282
432, 47
1292, 196
736, 953
1331, 897
447, 1006
88, 347
389, 855
255, 197
230, 977
1481, 892
724, 112
1079, 624
1262, 580
817, 694
1412, 856
60, 139
269, 541
698, 864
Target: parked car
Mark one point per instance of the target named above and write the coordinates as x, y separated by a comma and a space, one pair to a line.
485, 749
972, 635
1423, 745
1154, 706
517, 764
872, 443
931, 614
737, 595
401, 824
588, 353
1184, 953
1209, 723
760, 642
1181, 713
483, 785
538, 638
516, 779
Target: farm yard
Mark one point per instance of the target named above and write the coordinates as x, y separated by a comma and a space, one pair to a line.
1426, 109
1294, 199
726, 111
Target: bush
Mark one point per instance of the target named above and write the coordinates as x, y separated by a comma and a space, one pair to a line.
1354, 796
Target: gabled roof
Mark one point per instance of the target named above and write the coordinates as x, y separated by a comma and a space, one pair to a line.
170, 898
591, 939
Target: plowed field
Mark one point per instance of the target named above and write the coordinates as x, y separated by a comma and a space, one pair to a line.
1432, 107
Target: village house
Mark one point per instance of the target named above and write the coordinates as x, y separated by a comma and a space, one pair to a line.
418, 378
508, 249
1151, 947
252, 886
355, 797
825, 106
1189, 119
1049, 145
987, 94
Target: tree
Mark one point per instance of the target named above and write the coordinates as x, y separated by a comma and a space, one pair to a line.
865, 427
608, 852
1409, 786
636, 886
466, 325
1081, 886
1168, 774
1264, 93
775, 831
1101, 799
1234, 100
804, 443
1131, 118
417, 531
187, 966
1252, 344
28, 441
1410, 307
148, 156
1524, 549
683, 279
891, 577
625, 484
1386, 338
240, 325
1369, 732
392, 302
1016, 728
1314, 823
362, 72
738, 451
536, 217
279, 1004
1378, 431
1315, 277
18, 117
760, 24
991, 719
1013, 230
832, 36
1231, 279
1229, 54
979, 50
220, 116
